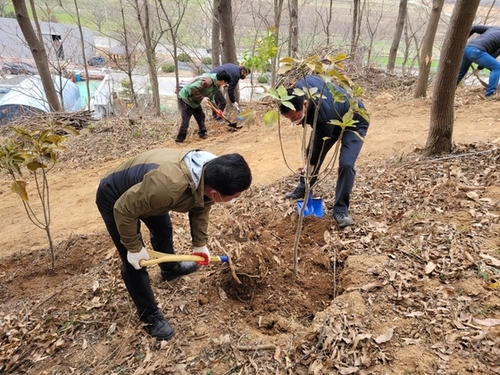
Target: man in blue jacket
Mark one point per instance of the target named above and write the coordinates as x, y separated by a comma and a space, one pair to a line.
483, 50
326, 135
236, 73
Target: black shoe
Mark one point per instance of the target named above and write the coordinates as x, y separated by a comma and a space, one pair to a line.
180, 269
343, 219
203, 135
179, 140
159, 327
298, 193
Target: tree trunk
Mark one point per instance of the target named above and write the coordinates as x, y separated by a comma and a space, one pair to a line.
128, 54
278, 11
143, 18
39, 54
225, 12
215, 34
441, 126
492, 6
403, 10
173, 18
294, 28
425, 62
354, 30
82, 44
329, 18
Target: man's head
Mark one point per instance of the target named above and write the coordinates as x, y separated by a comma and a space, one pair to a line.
226, 177
244, 72
223, 78
300, 104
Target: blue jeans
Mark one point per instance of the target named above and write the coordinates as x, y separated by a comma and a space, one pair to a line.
481, 58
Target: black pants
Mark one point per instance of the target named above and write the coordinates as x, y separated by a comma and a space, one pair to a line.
186, 113
137, 281
350, 148
221, 102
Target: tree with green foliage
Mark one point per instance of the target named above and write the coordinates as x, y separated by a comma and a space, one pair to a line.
329, 69
36, 151
264, 51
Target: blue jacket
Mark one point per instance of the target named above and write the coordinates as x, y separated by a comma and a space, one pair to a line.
488, 40
234, 72
329, 110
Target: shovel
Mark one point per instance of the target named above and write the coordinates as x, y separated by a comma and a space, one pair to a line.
162, 258
314, 206
217, 110
476, 73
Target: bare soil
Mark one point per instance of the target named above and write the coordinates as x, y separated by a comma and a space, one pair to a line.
411, 288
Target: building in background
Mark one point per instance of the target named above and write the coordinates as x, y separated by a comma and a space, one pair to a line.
62, 42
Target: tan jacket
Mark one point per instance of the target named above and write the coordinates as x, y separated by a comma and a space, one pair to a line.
153, 183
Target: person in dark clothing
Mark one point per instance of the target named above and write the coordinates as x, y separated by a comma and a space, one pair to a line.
326, 135
236, 73
144, 189
483, 50
191, 96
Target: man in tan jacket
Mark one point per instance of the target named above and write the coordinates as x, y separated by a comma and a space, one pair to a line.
144, 189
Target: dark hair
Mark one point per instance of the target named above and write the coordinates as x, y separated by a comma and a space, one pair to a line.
228, 174
297, 101
245, 69
223, 76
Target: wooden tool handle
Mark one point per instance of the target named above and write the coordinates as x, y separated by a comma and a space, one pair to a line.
179, 258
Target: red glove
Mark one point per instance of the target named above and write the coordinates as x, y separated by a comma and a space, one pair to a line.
219, 113
204, 253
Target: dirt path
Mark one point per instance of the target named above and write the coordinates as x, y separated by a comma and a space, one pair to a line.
397, 128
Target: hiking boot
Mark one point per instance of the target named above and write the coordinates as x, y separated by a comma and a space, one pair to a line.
343, 219
298, 193
490, 97
180, 269
157, 326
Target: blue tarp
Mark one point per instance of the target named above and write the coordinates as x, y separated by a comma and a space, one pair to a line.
29, 97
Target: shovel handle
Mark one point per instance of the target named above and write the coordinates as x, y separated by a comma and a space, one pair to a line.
214, 108
210, 104
181, 258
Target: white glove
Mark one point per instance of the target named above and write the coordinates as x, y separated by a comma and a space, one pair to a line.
205, 100
236, 106
135, 258
202, 252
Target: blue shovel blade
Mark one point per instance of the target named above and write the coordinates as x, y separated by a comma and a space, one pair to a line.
314, 207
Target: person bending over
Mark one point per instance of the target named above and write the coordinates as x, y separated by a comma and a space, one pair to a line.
143, 190
325, 136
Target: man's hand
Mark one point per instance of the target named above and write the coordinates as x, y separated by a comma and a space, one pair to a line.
303, 168
236, 106
135, 258
219, 113
205, 100
202, 252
